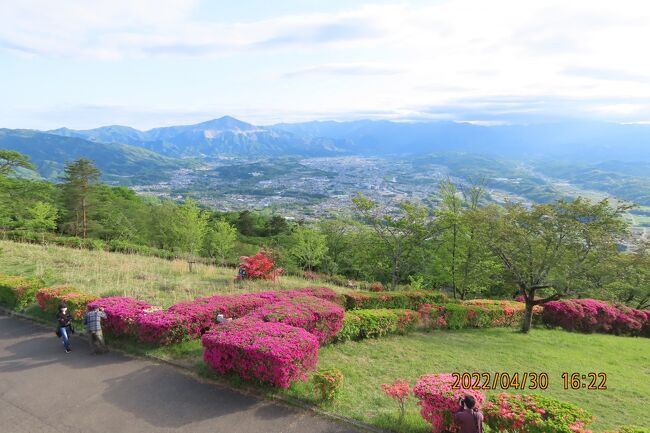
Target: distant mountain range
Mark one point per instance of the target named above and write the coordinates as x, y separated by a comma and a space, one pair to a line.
128, 155
223, 136
228, 136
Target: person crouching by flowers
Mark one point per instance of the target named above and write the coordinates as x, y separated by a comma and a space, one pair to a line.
468, 418
64, 328
93, 324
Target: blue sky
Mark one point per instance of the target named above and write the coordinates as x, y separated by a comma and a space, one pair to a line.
147, 63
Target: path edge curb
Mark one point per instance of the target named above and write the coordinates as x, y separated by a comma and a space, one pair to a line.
248, 390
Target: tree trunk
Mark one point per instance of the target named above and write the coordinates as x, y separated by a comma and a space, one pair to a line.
83, 218
528, 317
453, 261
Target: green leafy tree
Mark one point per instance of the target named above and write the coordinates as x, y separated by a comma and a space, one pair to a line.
461, 256
309, 247
181, 228
219, 240
80, 179
42, 217
550, 249
10, 160
401, 231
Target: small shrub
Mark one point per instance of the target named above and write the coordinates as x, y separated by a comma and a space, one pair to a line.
400, 390
376, 287
359, 324
274, 353
309, 275
327, 383
438, 400
18, 292
534, 414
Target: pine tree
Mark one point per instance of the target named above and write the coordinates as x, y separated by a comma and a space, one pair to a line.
79, 180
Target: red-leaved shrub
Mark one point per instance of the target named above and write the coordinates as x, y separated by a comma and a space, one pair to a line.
261, 266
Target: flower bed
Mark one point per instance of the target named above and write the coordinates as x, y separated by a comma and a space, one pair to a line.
474, 315
438, 400
18, 292
359, 324
273, 353
122, 313
590, 315
50, 298
411, 300
317, 316
534, 414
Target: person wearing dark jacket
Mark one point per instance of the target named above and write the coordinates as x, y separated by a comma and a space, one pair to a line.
64, 329
468, 418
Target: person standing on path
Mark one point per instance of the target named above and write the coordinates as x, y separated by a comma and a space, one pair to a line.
93, 324
64, 320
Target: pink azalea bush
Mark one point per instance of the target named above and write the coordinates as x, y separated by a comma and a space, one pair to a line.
322, 318
534, 414
122, 313
271, 352
590, 315
438, 401
185, 320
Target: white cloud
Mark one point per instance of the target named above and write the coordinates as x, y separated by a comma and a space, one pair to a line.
578, 58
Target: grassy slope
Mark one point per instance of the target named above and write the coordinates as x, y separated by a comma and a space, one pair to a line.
158, 281
368, 364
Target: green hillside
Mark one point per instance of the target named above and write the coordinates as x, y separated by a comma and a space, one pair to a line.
119, 163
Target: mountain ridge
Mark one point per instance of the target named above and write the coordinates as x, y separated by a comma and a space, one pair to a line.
227, 135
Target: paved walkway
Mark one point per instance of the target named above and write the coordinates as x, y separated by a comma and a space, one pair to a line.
45, 390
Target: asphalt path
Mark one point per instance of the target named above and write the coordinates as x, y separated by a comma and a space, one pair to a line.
45, 390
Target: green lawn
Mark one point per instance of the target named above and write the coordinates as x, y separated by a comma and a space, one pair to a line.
368, 364
157, 281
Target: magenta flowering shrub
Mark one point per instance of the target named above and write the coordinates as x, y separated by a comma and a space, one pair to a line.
322, 318
590, 315
271, 352
438, 401
122, 313
185, 320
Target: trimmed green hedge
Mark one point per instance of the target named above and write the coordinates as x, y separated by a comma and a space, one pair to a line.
359, 324
411, 300
18, 292
486, 314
